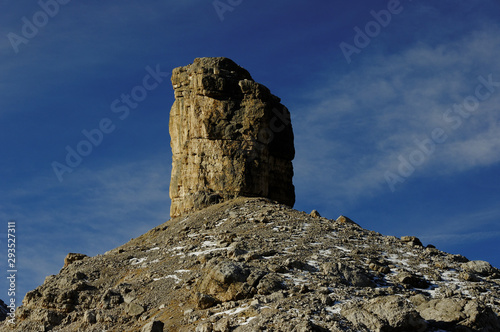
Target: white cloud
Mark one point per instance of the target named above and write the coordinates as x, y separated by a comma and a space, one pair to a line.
365, 119
90, 212
465, 228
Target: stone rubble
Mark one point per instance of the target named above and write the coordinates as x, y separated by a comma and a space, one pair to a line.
252, 264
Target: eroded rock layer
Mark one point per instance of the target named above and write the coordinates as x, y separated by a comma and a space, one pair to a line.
229, 136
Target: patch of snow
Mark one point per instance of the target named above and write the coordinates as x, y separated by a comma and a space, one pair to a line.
450, 276
433, 292
220, 222
333, 310
173, 276
153, 249
297, 280
176, 248
397, 260
234, 311
182, 271
327, 252
343, 249
198, 253
247, 321
313, 263
208, 244
135, 261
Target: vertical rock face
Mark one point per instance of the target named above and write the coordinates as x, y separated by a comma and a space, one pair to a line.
229, 136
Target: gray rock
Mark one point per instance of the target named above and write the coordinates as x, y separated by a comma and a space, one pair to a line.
349, 275
315, 214
134, 309
391, 313
204, 327
90, 317
480, 267
412, 240
226, 281
204, 301
229, 272
73, 257
153, 326
451, 312
270, 283
413, 280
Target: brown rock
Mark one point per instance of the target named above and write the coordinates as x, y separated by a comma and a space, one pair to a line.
73, 257
153, 326
452, 312
391, 313
229, 136
226, 281
345, 220
315, 214
412, 241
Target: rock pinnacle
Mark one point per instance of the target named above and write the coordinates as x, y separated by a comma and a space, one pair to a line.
230, 137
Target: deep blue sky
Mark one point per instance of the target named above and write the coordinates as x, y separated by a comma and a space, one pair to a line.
355, 118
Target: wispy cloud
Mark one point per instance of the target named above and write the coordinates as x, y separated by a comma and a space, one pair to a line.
465, 228
370, 116
94, 212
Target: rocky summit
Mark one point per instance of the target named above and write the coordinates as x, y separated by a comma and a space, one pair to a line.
230, 137
236, 257
252, 264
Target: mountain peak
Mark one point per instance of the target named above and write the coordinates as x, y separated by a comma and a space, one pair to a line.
252, 264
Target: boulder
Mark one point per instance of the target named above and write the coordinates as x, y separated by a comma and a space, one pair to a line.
315, 214
481, 268
153, 326
391, 313
73, 257
455, 313
412, 241
226, 281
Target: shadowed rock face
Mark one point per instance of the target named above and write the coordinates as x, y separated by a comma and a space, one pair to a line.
229, 136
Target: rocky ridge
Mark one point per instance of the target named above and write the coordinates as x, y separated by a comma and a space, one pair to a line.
252, 264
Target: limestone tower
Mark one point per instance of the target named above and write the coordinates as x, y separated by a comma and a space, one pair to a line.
229, 136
